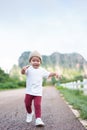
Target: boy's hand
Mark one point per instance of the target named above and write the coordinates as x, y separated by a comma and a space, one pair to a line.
56, 75
24, 69
60, 76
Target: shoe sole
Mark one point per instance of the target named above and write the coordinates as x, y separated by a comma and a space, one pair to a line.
28, 121
40, 125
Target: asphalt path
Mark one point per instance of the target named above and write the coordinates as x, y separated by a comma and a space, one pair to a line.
56, 114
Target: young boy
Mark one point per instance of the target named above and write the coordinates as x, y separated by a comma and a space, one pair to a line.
35, 74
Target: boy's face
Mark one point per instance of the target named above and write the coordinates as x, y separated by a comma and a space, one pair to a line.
35, 62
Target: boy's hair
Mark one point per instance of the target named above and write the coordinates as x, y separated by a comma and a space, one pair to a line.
36, 54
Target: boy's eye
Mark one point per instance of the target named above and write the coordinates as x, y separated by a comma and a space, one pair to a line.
36, 61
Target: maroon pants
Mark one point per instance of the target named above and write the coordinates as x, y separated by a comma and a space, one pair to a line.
37, 104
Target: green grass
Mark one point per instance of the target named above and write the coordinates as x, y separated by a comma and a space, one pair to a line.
76, 99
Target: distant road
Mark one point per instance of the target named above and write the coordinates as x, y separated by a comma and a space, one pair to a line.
55, 112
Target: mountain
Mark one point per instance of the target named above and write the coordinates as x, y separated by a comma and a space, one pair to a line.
56, 59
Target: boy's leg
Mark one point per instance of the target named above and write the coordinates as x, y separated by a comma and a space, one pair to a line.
37, 105
28, 103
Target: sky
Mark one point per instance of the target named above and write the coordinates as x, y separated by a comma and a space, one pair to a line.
44, 25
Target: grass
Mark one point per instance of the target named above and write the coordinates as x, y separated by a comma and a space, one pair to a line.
76, 99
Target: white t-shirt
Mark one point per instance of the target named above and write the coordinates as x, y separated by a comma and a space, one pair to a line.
34, 80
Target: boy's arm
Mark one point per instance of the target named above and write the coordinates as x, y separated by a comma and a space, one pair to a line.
53, 74
24, 69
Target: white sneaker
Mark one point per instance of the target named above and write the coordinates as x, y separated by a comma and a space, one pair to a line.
39, 122
29, 117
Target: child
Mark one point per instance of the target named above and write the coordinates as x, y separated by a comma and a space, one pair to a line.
34, 74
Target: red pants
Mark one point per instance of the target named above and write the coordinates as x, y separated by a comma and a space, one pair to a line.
37, 104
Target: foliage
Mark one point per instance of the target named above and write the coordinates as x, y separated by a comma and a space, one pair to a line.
8, 85
44, 82
76, 99
72, 73
3, 76
15, 72
80, 77
53, 80
7, 82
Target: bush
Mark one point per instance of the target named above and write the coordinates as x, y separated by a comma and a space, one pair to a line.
8, 85
21, 83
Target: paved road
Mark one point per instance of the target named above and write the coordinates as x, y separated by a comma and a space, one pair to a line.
55, 112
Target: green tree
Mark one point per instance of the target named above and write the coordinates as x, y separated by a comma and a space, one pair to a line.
3, 76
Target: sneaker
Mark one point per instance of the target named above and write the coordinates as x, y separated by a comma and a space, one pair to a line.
39, 122
29, 117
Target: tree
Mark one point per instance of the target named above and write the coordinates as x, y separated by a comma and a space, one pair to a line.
3, 76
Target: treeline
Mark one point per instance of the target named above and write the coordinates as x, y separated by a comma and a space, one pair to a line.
7, 82
16, 80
